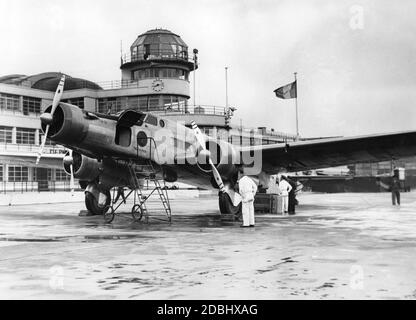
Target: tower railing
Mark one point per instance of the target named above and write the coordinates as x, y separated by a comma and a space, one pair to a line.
170, 109
31, 148
156, 55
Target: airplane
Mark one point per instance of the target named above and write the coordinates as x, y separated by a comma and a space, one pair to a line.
106, 148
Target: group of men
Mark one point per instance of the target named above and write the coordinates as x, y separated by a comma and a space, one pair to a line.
281, 185
286, 189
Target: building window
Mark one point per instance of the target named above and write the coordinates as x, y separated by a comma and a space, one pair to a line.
5, 134
61, 175
170, 73
31, 105
25, 136
133, 102
141, 103
1, 172
79, 102
154, 102
9, 102
18, 173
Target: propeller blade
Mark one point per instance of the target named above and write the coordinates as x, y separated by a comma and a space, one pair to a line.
198, 134
42, 145
58, 94
71, 182
201, 140
71, 167
217, 176
56, 98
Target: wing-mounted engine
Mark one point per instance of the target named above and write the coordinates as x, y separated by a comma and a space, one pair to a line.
85, 168
68, 124
108, 173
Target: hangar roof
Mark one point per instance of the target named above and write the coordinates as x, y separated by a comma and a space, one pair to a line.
48, 81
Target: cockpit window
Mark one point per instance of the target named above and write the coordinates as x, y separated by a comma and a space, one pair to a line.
151, 120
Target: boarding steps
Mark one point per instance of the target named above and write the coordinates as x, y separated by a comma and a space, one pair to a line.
147, 171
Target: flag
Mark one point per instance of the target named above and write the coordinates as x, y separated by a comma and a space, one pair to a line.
288, 91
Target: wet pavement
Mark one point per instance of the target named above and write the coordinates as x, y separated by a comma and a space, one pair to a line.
338, 246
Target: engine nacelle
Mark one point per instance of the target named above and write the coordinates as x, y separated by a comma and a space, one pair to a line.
68, 125
84, 168
109, 172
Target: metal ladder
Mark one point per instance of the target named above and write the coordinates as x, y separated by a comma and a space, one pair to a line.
138, 192
148, 171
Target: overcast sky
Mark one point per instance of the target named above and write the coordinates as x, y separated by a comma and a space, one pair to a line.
356, 60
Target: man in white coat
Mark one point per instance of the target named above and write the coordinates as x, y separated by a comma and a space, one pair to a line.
285, 188
247, 189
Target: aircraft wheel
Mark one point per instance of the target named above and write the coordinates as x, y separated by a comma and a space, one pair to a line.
108, 214
91, 203
137, 212
226, 205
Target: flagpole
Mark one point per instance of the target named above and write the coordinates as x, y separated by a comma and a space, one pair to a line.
297, 117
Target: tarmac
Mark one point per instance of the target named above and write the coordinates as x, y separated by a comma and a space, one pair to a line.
337, 246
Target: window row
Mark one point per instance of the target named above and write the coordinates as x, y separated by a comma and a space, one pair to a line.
60, 175
23, 136
174, 73
143, 103
11, 102
21, 173
79, 102
160, 50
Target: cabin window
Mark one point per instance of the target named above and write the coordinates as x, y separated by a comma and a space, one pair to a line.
151, 120
123, 136
141, 139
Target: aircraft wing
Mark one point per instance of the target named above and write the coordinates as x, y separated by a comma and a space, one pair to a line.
332, 152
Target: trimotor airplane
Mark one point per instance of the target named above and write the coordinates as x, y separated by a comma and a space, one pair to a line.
106, 148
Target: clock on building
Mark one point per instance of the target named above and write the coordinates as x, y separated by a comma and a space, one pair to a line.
157, 85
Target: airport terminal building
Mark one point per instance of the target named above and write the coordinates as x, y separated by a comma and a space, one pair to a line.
155, 77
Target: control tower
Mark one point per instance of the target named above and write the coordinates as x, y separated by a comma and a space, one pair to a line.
159, 61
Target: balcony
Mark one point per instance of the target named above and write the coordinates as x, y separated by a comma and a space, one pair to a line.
31, 148
173, 109
199, 109
160, 55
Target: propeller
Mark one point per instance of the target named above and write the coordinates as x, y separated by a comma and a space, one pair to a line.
47, 118
69, 160
201, 141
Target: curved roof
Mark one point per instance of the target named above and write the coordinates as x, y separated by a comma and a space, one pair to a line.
48, 81
156, 36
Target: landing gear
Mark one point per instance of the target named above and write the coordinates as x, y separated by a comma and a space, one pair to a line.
137, 212
94, 206
227, 206
108, 214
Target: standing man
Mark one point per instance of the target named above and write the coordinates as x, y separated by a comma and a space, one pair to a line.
285, 188
247, 189
292, 196
395, 189
120, 192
